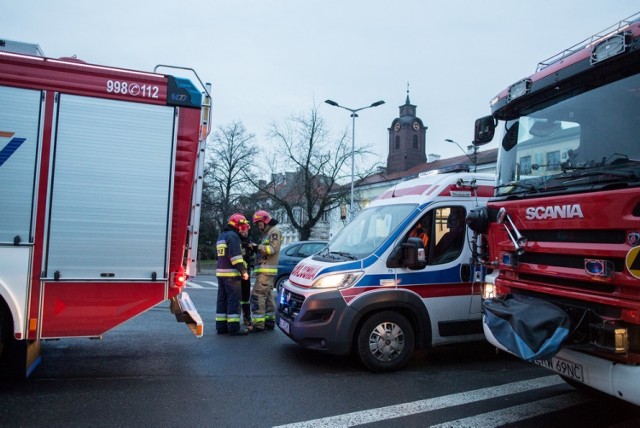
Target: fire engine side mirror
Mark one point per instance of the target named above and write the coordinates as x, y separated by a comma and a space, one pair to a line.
485, 127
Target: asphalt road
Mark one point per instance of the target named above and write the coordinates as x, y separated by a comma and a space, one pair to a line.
151, 371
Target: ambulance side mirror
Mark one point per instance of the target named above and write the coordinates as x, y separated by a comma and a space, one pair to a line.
410, 254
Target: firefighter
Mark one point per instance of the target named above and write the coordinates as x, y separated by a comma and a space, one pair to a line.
231, 269
263, 305
248, 254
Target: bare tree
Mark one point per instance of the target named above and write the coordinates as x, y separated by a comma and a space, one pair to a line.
228, 174
318, 164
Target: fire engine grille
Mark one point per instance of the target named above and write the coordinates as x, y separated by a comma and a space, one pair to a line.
598, 287
563, 260
578, 236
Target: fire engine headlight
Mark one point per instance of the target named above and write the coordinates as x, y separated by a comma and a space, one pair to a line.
489, 287
338, 281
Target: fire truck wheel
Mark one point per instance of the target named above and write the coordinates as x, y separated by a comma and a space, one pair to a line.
12, 352
385, 342
6, 339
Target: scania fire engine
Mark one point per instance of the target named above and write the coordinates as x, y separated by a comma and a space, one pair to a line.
99, 189
561, 236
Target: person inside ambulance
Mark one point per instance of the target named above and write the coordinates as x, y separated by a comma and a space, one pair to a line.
450, 245
420, 230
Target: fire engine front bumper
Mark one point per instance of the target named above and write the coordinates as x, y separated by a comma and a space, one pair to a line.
185, 311
616, 379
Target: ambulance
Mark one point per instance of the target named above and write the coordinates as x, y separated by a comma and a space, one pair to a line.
380, 290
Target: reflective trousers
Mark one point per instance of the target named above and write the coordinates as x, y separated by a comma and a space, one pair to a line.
263, 305
228, 306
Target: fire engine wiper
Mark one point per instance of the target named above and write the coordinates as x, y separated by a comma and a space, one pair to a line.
579, 172
510, 188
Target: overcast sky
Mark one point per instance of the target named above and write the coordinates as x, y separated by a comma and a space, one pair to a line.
270, 59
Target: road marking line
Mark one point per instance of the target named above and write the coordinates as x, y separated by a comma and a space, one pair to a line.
518, 413
192, 284
422, 406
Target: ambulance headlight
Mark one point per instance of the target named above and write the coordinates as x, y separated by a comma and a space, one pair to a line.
338, 280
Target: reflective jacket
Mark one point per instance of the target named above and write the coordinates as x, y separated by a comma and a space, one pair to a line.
269, 250
229, 251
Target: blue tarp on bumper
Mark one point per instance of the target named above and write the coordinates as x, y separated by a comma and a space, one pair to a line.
530, 328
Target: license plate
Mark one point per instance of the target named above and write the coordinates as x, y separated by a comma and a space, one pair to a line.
283, 325
564, 368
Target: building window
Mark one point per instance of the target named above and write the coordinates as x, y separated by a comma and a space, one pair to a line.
297, 214
415, 141
525, 165
553, 160
397, 142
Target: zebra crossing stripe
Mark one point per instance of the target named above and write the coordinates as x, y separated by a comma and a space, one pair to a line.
423, 406
518, 413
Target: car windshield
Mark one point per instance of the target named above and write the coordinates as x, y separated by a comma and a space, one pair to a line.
579, 140
367, 231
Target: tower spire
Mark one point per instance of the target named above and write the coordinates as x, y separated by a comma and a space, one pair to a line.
407, 101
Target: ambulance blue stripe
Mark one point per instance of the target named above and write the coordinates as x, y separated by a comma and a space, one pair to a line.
13, 145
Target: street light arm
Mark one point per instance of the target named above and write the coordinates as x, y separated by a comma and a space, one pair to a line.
473, 159
353, 110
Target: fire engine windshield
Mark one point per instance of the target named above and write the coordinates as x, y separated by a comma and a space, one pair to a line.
581, 139
367, 231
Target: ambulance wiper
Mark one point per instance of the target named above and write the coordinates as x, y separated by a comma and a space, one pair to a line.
345, 255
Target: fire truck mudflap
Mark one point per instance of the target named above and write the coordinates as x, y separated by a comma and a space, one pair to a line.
185, 311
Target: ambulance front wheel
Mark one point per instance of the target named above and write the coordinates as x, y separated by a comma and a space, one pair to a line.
385, 341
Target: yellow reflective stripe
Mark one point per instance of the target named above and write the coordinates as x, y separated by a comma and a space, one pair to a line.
237, 259
233, 319
228, 273
266, 270
258, 319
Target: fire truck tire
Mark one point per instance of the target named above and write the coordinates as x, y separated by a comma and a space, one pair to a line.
6, 339
385, 341
12, 366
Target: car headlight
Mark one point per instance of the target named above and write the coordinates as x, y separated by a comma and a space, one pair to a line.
338, 281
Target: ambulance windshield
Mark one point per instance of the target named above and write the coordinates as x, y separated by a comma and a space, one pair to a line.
581, 138
367, 231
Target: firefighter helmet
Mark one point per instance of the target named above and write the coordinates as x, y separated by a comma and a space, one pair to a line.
244, 225
262, 216
237, 220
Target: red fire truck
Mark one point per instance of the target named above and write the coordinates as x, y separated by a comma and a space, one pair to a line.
561, 236
100, 173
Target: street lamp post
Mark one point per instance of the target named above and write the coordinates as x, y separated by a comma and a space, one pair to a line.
473, 159
353, 140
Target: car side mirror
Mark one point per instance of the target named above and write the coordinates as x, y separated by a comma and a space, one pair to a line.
410, 254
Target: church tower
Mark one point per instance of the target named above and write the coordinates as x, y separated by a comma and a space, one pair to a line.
407, 139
